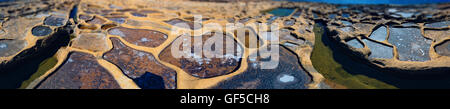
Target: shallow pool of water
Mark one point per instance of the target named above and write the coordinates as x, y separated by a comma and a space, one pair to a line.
438, 24
342, 68
355, 43
411, 45
281, 12
379, 34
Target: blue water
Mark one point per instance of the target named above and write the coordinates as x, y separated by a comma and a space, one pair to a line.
73, 13
397, 2
281, 12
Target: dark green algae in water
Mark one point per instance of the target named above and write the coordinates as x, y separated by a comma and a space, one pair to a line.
44, 66
329, 59
324, 61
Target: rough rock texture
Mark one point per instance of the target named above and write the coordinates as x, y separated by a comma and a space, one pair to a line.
19, 18
136, 64
96, 20
411, 45
199, 65
443, 48
91, 41
80, 71
408, 39
140, 37
10, 47
184, 24
25, 41
289, 74
147, 28
400, 38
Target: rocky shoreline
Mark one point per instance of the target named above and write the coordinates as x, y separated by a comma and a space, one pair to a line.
127, 42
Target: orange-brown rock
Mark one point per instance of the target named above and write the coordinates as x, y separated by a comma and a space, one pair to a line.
135, 64
288, 74
140, 37
91, 41
184, 24
199, 65
80, 71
